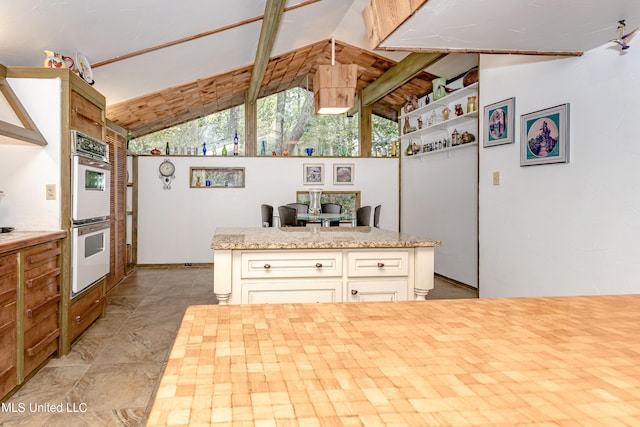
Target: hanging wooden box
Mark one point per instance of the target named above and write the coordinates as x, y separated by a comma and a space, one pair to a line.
334, 86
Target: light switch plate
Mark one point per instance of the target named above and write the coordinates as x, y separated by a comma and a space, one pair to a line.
496, 178
51, 191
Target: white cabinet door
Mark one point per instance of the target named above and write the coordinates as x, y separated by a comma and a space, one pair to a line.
298, 291
366, 291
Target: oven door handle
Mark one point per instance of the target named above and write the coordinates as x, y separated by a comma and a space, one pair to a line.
85, 161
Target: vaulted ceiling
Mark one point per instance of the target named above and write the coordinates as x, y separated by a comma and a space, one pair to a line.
159, 63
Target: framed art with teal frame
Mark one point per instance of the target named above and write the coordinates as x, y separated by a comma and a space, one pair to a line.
499, 123
544, 136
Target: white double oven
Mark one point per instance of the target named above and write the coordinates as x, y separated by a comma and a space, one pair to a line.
90, 208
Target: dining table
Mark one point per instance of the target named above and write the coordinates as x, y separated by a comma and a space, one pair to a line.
324, 219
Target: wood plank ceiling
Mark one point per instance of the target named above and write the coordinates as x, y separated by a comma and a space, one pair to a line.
178, 104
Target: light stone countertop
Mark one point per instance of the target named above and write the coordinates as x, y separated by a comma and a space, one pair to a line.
19, 239
255, 238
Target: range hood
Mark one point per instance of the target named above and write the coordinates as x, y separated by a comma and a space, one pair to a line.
16, 126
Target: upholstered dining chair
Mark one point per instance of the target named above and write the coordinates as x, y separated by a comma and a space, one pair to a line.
332, 208
376, 216
363, 216
300, 208
267, 215
288, 216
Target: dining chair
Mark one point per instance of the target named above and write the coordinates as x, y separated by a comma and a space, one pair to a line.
300, 208
376, 216
333, 208
267, 215
288, 216
363, 216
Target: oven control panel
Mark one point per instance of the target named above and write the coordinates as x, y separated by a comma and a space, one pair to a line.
84, 145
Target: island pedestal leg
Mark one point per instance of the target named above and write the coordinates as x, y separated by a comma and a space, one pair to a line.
424, 271
222, 276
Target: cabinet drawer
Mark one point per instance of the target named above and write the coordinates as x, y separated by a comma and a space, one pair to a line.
8, 273
378, 263
291, 264
41, 256
41, 310
8, 372
297, 291
40, 342
85, 309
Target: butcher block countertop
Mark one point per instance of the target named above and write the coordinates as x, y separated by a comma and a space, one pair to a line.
243, 238
16, 240
480, 362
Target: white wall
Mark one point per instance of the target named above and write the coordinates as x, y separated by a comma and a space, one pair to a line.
564, 229
26, 169
440, 201
176, 226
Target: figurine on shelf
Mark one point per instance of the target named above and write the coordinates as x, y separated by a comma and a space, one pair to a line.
445, 113
467, 137
458, 109
408, 107
414, 101
455, 138
419, 122
416, 148
405, 129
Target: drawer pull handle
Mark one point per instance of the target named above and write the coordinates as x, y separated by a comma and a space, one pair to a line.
42, 307
44, 255
42, 278
267, 266
80, 318
6, 371
380, 264
7, 326
318, 264
38, 347
9, 294
354, 291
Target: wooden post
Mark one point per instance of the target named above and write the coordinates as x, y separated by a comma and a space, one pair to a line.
364, 129
250, 127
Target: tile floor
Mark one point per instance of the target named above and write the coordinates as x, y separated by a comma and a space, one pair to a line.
110, 376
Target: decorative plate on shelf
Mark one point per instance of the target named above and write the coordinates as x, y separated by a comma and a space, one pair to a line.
84, 68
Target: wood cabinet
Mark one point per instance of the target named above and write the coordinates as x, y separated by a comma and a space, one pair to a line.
305, 276
86, 308
41, 303
117, 142
29, 306
8, 298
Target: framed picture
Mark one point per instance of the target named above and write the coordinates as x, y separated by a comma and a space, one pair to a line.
545, 136
343, 173
312, 173
499, 123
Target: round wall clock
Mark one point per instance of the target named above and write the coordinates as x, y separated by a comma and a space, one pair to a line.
167, 169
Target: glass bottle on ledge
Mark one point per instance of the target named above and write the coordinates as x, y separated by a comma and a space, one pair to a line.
235, 144
204, 148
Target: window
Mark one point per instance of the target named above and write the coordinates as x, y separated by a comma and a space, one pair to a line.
384, 133
286, 120
215, 130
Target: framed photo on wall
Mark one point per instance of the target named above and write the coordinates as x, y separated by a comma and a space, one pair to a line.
545, 136
343, 173
499, 122
313, 173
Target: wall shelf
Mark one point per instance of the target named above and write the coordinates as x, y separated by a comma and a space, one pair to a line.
442, 150
443, 126
444, 101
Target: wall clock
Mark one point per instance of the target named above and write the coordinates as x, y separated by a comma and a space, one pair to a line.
167, 169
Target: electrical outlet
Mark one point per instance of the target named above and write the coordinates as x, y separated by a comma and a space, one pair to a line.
51, 191
496, 178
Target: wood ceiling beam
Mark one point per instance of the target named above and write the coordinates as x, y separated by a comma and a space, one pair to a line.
195, 36
412, 65
272, 17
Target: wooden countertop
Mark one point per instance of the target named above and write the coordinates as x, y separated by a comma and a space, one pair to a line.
482, 362
242, 238
16, 240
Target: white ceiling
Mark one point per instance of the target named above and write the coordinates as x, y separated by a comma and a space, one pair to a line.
104, 30
514, 25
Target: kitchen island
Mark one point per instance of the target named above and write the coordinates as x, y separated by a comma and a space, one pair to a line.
320, 264
472, 362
